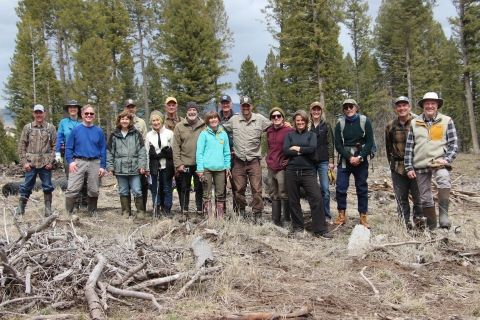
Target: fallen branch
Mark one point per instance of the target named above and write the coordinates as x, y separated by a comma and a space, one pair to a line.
188, 284
5, 226
136, 230
375, 290
129, 274
468, 254
31, 231
94, 303
21, 299
28, 276
159, 281
135, 294
270, 316
396, 244
54, 317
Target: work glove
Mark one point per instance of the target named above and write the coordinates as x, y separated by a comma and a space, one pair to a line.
58, 157
437, 166
331, 177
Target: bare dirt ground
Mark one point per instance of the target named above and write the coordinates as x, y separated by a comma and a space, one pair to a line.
418, 275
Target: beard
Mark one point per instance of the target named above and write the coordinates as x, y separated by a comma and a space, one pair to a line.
191, 118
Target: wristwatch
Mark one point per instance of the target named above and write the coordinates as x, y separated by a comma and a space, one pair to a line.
361, 158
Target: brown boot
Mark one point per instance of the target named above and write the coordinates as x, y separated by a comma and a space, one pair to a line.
363, 220
140, 208
220, 209
342, 218
70, 204
431, 217
92, 205
21, 205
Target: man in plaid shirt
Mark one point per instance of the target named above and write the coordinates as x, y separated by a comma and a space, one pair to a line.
431, 148
396, 133
37, 155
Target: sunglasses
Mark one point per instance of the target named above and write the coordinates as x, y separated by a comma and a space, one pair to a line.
348, 107
273, 116
89, 113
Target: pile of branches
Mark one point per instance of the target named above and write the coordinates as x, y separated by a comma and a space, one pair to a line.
50, 266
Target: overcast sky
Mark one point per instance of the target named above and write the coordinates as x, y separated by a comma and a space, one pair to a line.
245, 20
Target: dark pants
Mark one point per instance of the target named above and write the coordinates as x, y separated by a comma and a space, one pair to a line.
360, 173
30, 179
402, 185
145, 187
185, 189
232, 162
307, 180
248, 171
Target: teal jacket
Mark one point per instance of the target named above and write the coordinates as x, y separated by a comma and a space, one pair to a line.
213, 150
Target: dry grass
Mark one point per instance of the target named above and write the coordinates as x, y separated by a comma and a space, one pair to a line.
265, 271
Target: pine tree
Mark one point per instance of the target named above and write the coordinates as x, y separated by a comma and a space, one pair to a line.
251, 84
186, 45
272, 82
156, 96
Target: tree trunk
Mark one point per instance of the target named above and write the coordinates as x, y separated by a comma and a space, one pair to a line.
466, 76
144, 73
320, 79
409, 72
33, 71
61, 66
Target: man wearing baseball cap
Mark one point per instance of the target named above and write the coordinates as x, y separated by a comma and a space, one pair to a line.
396, 133
171, 116
247, 128
37, 155
432, 145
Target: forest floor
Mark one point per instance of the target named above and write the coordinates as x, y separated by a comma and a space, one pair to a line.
417, 275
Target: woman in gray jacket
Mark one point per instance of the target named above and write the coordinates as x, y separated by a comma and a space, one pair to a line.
126, 159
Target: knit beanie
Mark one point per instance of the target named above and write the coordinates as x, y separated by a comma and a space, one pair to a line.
276, 109
156, 114
190, 105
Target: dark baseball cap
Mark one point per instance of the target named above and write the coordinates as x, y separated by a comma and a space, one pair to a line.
225, 98
129, 102
246, 100
402, 99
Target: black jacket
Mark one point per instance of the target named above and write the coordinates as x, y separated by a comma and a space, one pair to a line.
307, 141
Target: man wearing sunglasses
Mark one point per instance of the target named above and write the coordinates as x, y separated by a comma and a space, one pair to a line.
86, 157
353, 145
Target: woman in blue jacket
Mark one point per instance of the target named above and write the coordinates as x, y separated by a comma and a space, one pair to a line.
213, 159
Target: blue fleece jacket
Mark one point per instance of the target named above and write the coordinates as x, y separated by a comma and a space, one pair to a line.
87, 142
65, 126
213, 150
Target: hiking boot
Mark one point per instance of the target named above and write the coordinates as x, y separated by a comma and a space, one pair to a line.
22, 202
341, 219
363, 220
324, 235
48, 204
299, 234
125, 203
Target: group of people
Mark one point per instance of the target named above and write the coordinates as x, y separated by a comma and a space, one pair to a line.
226, 146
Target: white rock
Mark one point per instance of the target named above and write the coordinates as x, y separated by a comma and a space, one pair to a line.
358, 241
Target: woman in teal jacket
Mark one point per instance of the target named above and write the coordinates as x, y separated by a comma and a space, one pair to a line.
127, 159
213, 159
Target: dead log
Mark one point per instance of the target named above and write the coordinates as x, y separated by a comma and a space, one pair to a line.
164, 280
269, 316
202, 251
54, 317
94, 303
135, 294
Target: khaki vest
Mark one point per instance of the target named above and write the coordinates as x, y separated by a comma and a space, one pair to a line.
430, 144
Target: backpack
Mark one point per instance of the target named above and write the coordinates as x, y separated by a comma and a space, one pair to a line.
363, 120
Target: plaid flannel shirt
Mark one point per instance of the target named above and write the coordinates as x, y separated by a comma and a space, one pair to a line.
450, 155
35, 146
395, 145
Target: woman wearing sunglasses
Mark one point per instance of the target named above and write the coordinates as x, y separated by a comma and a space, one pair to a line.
277, 163
353, 146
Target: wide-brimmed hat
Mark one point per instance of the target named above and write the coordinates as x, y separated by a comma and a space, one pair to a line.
72, 103
431, 96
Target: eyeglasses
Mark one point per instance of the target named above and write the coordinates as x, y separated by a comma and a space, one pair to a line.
273, 116
89, 113
347, 107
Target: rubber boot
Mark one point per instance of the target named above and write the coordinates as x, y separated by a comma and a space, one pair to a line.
342, 218
258, 220
431, 217
443, 201
220, 209
207, 209
84, 196
286, 211
140, 207
363, 220
92, 205
48, 204
125, 203
276, 212
70, 204
22, 202
167, 212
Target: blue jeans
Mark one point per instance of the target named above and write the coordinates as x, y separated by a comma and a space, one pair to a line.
164, 187
30, 179
321, 169
125, 183
360, 173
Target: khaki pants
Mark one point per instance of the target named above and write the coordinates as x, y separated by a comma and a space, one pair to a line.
276, 185
424, 181
88, 170
218, 177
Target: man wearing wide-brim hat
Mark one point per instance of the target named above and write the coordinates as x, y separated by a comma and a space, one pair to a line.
431, 148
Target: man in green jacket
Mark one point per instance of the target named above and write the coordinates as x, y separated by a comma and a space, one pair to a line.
185, 136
